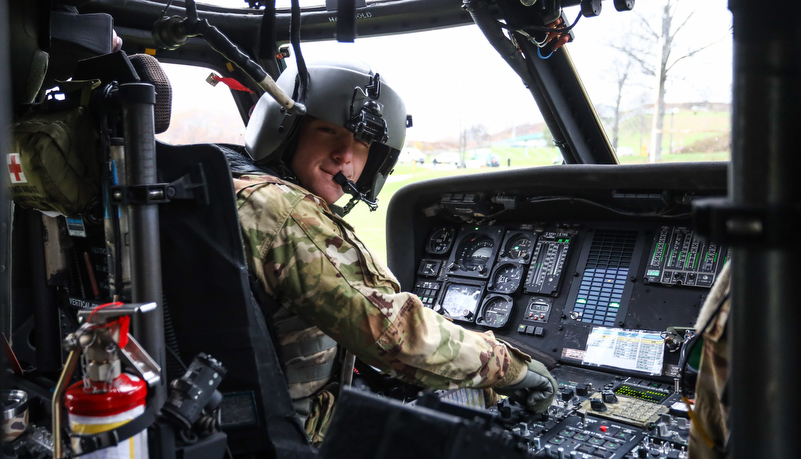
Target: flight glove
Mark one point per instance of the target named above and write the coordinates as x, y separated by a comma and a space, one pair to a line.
536, 391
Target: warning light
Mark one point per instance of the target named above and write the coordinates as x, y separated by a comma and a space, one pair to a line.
614, 305
581, 300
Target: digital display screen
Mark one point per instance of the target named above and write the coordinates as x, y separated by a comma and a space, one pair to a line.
461, 301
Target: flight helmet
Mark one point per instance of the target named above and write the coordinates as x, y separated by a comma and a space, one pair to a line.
347, 93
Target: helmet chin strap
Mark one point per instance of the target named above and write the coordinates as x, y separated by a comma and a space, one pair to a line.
350, 188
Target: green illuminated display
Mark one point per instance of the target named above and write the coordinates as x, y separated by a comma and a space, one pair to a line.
649, 395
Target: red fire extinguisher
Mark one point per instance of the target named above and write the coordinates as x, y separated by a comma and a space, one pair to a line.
99, 406
106, 397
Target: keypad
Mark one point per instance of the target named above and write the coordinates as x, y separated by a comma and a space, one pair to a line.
427, 291
601, 440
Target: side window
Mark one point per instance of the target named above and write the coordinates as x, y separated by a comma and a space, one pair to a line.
661, 104
201, 113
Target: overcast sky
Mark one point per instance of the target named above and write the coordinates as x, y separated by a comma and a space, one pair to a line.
453, 78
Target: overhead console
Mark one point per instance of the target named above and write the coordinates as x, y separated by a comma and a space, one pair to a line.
595, 270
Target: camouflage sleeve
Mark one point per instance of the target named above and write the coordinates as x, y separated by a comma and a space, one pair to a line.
709, 427
313, 263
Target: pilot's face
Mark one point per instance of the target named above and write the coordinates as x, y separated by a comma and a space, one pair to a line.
323, 150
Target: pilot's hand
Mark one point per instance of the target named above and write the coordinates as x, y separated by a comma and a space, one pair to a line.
536, 391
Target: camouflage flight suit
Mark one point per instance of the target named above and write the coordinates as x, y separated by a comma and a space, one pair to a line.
328, 282
708, 431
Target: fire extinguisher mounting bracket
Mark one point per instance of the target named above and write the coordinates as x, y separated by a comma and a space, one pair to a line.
101, 315
90, 443
138, 360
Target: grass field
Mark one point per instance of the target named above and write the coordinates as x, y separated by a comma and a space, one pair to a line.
370, 226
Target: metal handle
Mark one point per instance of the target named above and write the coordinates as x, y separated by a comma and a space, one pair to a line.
55, 406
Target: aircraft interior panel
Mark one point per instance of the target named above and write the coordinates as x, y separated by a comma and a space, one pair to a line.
603, 286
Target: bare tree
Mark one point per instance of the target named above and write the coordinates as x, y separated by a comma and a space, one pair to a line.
622, 76
659, 62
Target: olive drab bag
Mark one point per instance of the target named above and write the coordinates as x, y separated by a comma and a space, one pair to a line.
54, 164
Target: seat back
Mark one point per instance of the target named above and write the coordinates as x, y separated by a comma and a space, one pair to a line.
207, 293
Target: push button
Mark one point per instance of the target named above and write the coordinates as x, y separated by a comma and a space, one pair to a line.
611, 445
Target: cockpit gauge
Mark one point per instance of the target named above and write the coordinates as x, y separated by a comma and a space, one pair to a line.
518, 247
475, 253
460, 301
506, 278
440, 241
429, 267
495, 311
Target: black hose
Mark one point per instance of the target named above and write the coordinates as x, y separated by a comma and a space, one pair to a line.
294, 38
191, 10
220, 43
175, 364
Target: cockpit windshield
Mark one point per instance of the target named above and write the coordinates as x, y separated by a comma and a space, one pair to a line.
472, 113
661, 97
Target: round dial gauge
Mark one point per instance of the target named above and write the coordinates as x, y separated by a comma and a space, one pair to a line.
495, 311
440, 241
518, 246
506, 278
475, 252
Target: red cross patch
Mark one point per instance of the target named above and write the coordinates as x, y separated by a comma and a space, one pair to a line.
15, 169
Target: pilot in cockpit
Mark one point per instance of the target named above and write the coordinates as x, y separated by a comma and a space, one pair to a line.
328, 290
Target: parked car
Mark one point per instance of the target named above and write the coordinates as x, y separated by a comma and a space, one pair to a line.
450, 157
411, 155
485, 159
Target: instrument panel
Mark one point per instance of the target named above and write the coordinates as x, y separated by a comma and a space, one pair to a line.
598, 298
595, 271
570, 289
